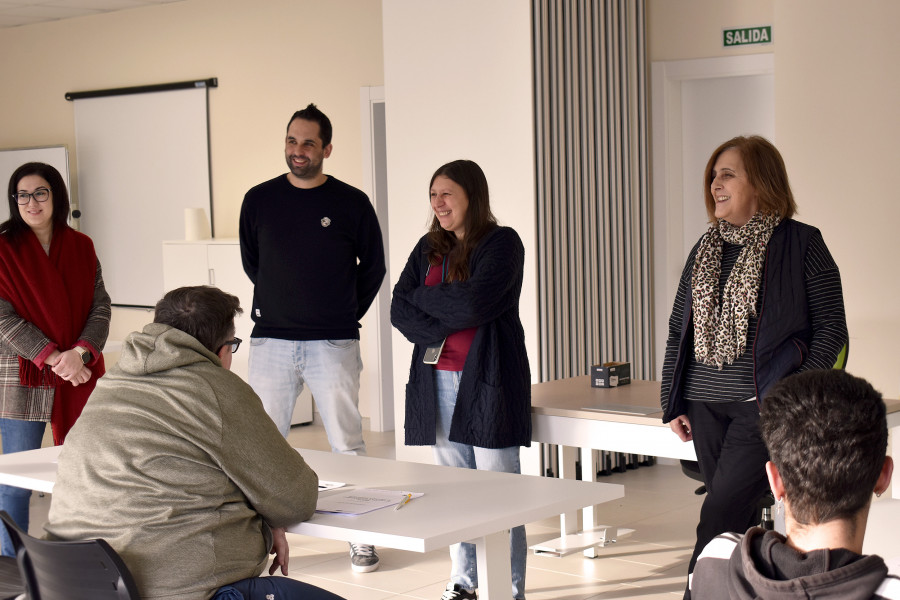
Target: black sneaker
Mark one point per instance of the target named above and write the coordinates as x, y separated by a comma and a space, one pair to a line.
456, 592
363, 558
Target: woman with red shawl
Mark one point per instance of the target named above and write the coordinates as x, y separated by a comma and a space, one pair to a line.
54, 319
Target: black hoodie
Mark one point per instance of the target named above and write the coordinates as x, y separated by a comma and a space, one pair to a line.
759, 564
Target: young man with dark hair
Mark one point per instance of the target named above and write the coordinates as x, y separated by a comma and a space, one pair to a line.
826, 433
312, 113
175, 464
312, 247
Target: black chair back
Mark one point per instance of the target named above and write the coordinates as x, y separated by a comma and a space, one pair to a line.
11, 585
70, 570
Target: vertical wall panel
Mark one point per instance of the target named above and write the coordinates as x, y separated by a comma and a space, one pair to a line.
592, 186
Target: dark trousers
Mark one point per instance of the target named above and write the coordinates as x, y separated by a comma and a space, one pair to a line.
732, 460
272, 588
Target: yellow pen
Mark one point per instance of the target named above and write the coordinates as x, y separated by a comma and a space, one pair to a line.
402, 503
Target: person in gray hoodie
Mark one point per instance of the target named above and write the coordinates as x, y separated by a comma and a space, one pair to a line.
175, 464
826, 433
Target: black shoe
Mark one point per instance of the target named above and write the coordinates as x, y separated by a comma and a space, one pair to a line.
455, 592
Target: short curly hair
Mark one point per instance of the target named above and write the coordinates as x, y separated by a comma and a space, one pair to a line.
826, 431
202, 311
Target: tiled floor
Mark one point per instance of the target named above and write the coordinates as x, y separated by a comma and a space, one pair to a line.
649, 564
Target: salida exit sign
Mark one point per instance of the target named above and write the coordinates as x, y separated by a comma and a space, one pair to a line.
747, 35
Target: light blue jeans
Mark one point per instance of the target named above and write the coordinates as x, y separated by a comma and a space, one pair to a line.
452, 454
17, 436
278, 370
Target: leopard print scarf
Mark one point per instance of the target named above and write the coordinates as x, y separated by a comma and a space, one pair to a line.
720, 325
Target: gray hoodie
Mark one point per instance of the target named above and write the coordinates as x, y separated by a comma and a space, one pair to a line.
175, 463
759, 564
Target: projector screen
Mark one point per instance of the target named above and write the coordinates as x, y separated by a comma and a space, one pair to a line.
143, 158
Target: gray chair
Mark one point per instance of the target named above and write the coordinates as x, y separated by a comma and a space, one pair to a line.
69, 570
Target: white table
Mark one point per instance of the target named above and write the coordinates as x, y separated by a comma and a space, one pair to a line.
573, 415
459, 505
569, 412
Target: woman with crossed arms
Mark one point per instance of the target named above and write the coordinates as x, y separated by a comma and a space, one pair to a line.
461, 286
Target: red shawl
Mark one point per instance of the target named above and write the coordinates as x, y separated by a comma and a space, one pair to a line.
55, 293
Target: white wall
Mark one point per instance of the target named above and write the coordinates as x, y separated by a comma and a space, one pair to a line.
837, 95
684, 29
458, 84
837, 89
271, 58
697, 104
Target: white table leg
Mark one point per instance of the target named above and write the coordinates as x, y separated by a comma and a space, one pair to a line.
590, 514
568, 521
589, 473
494, 574
575, 536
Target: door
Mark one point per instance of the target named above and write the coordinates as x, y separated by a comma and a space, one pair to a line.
696, 105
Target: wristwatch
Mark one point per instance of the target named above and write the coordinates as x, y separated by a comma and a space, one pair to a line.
84, 353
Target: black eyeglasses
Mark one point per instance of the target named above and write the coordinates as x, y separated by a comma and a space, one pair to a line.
39, 195
235, 344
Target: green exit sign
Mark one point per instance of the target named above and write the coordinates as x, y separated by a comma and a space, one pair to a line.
747, 35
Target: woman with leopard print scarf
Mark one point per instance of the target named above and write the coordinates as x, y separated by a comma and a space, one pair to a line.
759, 298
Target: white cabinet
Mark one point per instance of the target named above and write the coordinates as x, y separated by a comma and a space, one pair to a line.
218, 262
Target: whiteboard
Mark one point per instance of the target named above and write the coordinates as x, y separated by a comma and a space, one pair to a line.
13, 158
143, 158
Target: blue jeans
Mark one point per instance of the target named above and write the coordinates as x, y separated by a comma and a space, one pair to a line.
452, 454
17, 436
279, 368
272, 588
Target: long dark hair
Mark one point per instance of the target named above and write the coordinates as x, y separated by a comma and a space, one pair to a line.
478, 221
15, 227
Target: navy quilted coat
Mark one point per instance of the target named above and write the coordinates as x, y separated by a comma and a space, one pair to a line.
493, 406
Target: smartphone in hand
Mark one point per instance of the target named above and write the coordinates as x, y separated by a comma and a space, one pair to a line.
433, 352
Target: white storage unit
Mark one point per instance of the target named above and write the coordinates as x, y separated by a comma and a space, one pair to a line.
218, 262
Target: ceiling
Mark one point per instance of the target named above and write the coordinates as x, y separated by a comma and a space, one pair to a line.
14, 13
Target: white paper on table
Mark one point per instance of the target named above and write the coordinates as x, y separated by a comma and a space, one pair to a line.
330, 485
361, 501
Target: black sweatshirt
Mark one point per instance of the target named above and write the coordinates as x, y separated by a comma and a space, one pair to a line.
315, 257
